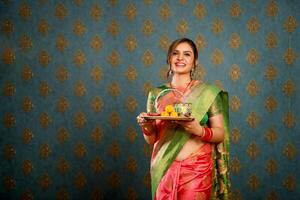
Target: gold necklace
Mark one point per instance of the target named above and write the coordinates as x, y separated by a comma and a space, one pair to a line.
188, 85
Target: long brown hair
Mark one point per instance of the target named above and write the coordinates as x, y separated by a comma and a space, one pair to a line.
175, 44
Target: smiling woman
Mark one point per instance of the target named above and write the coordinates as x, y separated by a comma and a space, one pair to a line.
189, 158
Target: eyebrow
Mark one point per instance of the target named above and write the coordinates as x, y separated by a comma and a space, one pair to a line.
184, 51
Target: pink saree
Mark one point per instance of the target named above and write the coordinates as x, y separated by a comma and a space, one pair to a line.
188, 179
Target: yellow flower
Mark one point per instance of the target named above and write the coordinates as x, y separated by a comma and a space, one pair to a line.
169, 108
174, 114
164, 113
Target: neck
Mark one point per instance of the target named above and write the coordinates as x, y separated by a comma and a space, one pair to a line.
180, 80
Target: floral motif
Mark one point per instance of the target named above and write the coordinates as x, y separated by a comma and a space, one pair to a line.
253, 25
272, 9
97, 134
113, 28
164, 12
114, 149
63, 104
27, 135
271, 40
44, 58
289, 119
131, 43
61, 43
253, 150
27, 167
147, 27
79, 58
62, 135
217, 57
271, 166
253, 120
114, 89
80, 181
27, 104
270, 104
62, 74
114, 59
131, 134
8, 56
63, 166
217, 26
43, 27
25, 11
96, 43
96, 104
235, 135
80, 150
235, 41
131, 104
45, 151
289, 88
271, 72
290, 56
182, 27
147, 58
200, 42
96, 12
79, 28
200, 11
290, 24
96, 73
80, 119
27, 73
235, 103
60, 11
235, 72
7, 27
114, 119
97, 165
235, 10
44, 89
235, 166
131, 73
253, 182
271, 136
131, 12
79, 89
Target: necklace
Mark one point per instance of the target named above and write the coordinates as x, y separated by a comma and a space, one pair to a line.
176, 96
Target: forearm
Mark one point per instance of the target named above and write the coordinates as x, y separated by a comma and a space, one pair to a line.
149, 134
209, 134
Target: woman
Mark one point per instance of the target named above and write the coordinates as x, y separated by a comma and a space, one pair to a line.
189, 158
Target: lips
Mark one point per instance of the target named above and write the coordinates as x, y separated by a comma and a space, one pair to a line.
178, 64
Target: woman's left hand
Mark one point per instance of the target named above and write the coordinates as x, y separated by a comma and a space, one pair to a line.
192, 127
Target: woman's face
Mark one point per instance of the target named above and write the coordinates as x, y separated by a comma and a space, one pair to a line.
182, 59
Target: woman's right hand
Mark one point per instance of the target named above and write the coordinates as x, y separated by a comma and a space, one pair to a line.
144, 122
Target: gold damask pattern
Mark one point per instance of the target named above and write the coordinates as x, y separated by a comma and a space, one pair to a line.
75, 74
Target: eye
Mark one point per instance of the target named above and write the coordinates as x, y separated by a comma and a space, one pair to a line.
187, 54
174, 53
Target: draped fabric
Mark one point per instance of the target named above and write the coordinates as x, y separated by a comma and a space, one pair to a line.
172, 138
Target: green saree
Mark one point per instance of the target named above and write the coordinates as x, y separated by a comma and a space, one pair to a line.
167, 148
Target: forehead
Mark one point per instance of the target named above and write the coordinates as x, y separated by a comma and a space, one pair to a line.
184, 46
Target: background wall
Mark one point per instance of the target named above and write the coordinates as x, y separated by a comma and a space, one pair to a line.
75, 74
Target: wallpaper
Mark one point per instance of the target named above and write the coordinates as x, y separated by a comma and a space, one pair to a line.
75, 74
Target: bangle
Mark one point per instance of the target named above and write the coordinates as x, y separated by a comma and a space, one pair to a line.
145, 132
207, 134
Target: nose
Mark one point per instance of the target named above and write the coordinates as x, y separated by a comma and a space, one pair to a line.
179, 56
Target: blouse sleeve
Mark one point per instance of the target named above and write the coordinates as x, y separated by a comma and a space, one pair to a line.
216, 107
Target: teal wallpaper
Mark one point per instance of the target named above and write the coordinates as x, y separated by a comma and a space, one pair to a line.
74, 75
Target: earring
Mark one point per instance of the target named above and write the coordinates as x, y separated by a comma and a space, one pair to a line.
192, 72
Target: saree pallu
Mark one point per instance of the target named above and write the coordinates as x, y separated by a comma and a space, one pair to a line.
172, 140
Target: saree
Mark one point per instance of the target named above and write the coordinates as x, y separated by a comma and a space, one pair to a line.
169, 144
